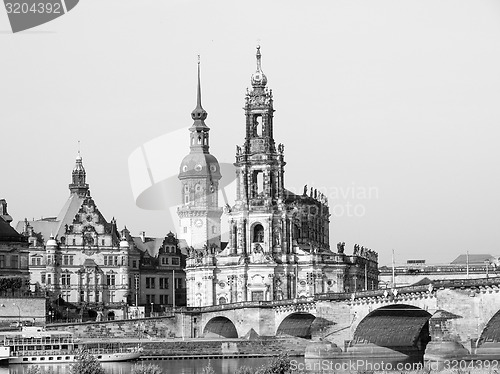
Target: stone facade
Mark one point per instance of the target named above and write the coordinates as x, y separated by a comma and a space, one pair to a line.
278, 241
85, 260
14, 273
160, 279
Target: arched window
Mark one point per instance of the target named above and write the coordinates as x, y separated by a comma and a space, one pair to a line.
199, 139
258, 126
258, 234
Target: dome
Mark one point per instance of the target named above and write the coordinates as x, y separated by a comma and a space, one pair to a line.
51, 242
124, 243
259, 79
199, 165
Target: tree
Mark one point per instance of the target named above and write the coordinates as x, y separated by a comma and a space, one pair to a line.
208, 369
146, 369
86, 364
278, 365
245, 370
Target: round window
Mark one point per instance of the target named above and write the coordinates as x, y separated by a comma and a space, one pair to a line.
184, 168
198, 167
213, 168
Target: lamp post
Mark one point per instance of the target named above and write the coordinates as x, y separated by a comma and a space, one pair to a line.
19, 315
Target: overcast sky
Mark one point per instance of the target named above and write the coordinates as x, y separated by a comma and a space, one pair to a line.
389, 107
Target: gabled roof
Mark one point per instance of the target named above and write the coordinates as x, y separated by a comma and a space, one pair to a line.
150, 245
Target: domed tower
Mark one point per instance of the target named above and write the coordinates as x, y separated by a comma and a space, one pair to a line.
260, 166
78, 185
199, 175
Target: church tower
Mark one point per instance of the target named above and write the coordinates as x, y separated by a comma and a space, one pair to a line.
199, 175
259, 175
78, 185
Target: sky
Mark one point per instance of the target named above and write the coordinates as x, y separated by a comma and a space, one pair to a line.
388, 107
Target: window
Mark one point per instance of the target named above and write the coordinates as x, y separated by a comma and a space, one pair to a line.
163, 299
2, 261
67, 260
134, 263
164, 261
115, 260
33, 260
175, 261
105, 260
178, 283
110, 279
65, 279
258, 234
74, 241
185, 229
112, 296
38, 261
164, 283
150, 282
186, 199
222, 300
14, 262
214, 230
102, 242
49, 278
43, 278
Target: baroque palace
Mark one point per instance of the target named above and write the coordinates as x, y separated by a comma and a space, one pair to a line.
278, 244
83, 260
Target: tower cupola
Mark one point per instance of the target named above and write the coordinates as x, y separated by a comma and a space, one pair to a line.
259, 79
78, 177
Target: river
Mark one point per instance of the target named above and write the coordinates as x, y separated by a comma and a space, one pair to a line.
229, 366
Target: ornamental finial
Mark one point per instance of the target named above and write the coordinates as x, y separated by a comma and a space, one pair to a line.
199, 113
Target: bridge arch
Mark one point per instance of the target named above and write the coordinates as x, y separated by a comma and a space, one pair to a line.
400, 327
220, 327
491, 332
297, 324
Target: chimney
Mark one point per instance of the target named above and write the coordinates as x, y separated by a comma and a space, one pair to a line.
143, 236
3, 211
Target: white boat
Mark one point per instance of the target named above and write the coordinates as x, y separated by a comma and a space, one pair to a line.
33, 345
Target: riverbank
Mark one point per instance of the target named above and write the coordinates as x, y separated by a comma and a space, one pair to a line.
166, 348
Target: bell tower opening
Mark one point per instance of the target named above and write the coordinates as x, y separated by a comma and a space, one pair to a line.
258, 234
258, 126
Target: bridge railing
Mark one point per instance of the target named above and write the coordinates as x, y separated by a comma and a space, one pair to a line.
344, 296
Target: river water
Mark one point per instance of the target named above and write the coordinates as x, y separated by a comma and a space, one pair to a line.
299, 364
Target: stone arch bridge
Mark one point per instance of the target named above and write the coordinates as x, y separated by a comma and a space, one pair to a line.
465, 311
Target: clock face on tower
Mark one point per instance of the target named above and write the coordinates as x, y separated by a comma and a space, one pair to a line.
198, 223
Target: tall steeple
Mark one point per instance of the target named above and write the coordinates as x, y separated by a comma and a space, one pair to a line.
199, 130
199, 175
78, 177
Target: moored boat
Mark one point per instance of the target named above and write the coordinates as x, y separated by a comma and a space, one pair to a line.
33, 345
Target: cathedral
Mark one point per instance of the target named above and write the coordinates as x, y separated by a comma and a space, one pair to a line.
278, 245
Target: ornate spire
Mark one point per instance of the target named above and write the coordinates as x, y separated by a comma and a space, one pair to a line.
199, 114
259, 79
78, 177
